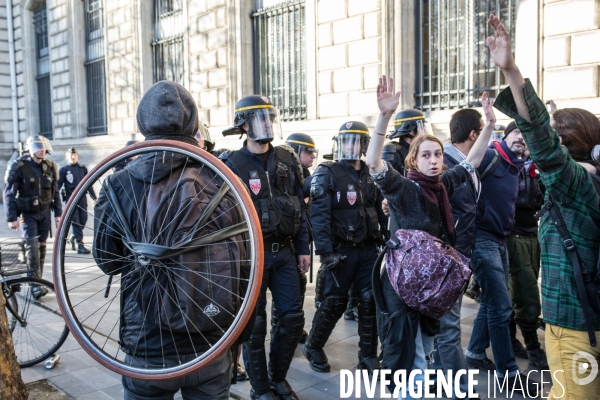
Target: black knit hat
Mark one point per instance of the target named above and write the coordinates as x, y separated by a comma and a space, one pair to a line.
168, 111
511, 127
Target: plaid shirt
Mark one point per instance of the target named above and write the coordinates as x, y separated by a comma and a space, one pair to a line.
572, 188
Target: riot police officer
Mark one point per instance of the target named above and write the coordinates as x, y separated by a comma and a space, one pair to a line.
69, 177
346, 215
407, 124
304, 147
274, 176
30, 194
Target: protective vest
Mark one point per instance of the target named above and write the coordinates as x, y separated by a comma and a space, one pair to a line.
530, 196
35, 193
353, 217
395, 153
272, 193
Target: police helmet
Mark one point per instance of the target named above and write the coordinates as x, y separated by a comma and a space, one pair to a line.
409, 122
36, 143
258, 118
72, 150
497, 133
352, 141
204, 135
302, 142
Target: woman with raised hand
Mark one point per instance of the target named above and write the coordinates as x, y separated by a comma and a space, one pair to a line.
418, 202
562, 149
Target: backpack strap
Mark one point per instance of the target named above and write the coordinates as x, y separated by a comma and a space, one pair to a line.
491, 167
559, 222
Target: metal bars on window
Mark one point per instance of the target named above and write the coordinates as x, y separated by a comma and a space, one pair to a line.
167, 47
40, 24
94, 67
454, 66
280, 57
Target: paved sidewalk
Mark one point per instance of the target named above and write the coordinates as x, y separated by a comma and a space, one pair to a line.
78, 375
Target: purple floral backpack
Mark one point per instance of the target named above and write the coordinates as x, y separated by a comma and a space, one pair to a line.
428, 274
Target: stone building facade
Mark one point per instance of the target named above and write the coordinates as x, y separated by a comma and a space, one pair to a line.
318, 59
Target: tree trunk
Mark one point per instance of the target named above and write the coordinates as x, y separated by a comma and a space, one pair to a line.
11, 384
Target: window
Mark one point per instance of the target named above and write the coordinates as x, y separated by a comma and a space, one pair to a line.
94, 68
279, 56
454, 65
167, 47
43, 71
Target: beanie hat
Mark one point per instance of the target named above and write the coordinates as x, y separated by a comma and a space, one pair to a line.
168, 111
511, 127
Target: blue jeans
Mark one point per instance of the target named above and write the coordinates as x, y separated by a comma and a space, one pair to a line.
424, 347
211, 382
489, 263
448, 354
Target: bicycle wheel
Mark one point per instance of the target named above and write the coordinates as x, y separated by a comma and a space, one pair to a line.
129, 303
37, 327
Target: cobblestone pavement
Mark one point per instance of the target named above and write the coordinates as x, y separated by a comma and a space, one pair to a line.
78, 375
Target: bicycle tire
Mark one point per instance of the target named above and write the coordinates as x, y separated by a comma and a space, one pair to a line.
96, 332
43, 330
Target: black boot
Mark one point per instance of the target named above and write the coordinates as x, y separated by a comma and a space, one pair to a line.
81, 249
256, 360
367, 331
240, 372
324, 321
73, 242
518, 348
536, 354
351, 313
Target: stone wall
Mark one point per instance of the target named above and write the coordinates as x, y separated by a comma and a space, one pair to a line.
571, 53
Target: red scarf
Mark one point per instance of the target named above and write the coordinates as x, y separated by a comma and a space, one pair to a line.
435, 194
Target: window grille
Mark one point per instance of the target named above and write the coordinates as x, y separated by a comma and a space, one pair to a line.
454, 65
94, 68
280, 56
167, 47
43, 71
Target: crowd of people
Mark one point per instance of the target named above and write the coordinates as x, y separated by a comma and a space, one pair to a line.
482, 193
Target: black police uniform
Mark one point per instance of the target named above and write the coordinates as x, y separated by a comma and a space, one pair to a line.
301, 276
346, 216
69, 176
30, 193
395, 153
276, 192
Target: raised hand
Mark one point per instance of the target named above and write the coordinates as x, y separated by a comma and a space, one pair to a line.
386, 100
551, 105
488, 109
499, 45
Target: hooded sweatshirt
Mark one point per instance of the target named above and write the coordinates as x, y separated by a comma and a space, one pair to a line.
499, 190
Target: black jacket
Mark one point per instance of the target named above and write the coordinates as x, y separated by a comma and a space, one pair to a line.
69, 176
139, 335
464, 208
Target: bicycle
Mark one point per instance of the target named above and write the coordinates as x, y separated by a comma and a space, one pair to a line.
91, 300
34, 319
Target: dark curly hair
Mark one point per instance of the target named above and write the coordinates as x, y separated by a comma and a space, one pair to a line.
580, 132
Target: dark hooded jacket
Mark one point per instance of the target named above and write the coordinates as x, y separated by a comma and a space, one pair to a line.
167, 111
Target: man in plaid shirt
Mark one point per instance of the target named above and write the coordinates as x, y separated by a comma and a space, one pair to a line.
567, 179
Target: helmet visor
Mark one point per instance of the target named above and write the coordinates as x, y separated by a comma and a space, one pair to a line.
423, 127
264, 123
37, 143
350, 146
309, 156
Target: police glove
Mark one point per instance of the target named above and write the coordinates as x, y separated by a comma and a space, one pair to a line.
332, 261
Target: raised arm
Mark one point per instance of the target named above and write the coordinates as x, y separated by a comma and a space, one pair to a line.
476, 154
501, 52
387, 102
